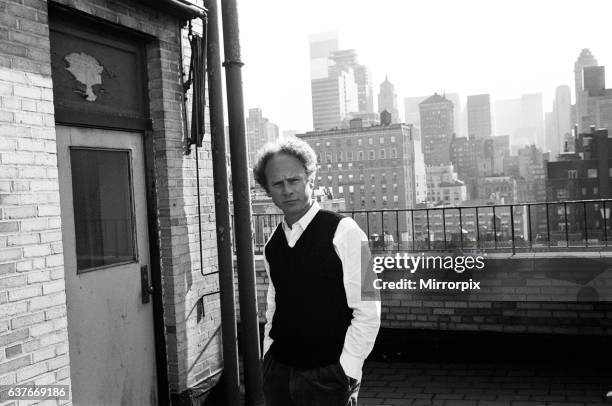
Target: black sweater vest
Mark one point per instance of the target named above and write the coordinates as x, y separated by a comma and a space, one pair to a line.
312, 314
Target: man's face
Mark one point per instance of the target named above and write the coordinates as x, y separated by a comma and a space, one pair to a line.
289, 187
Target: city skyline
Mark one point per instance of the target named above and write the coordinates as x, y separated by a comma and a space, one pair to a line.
420, 49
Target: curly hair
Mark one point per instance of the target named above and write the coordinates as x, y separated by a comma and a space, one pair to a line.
292, 146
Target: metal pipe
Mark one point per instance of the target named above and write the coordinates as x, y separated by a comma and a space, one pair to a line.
231, 375
242, 205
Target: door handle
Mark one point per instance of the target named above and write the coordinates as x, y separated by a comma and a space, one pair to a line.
146, 289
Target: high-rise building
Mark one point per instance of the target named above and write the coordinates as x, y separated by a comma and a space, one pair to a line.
479, 116
585, 59
259, 131
593, 100
373, 168
532, 172
347, 59
411, 110
341, 87
561, 121
387, 100
522, 119
437, 129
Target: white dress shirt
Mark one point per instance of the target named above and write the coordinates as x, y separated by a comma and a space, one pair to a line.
361, 334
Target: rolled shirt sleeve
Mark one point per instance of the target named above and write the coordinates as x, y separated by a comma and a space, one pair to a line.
349, 241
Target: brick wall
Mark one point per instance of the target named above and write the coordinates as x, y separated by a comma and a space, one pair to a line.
33, 324
33, 328
431, 312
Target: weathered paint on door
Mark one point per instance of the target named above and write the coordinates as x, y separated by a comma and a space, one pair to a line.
112, 353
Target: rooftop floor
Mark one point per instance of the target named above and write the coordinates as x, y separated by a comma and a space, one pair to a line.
480, 383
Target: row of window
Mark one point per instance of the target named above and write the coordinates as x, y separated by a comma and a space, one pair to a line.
348, 156
592, 173
360, 141
351, 178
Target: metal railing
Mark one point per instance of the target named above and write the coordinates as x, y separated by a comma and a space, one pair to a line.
548, 226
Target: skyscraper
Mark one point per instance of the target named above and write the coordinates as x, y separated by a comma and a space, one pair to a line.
561, 120
387, 100
437, 129
340, 86
585, 59
479, 116
522, 119
259, 132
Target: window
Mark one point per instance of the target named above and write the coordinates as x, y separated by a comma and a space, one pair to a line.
339, 178
396, 199
381, 154
592, 173
359, 142
327, 144
328, 157
329, 178
393, 152
339, 166
340, 189
393, 139
595, 190
360, 155
572, 174
562, 193
318, 144
362, 190
370, 141
349, 156
104, 222
350, 177
351, 189
350, 165
382, 140
361, 177
584, 191
371, 155
339, 156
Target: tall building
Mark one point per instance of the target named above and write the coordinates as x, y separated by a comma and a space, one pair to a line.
532, 173
259, 131
340, 86
373, 168
347, 59
479, 116
412, 112
561, 121
437, 129
585, 59
387, 100
522, 119
593, 100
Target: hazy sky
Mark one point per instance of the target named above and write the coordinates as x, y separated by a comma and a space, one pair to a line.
505, 48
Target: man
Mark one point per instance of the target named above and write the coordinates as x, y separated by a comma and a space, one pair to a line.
318, 331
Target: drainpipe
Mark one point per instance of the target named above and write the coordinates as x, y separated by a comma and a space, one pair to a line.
231, 378
242, 205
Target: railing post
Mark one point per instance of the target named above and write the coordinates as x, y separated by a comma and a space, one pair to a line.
529, 225
605, 223
413, 235
512, 227
444, 225
494, 228
547, 224
566, 225
428, 235
586, 226
477, 230
460, 229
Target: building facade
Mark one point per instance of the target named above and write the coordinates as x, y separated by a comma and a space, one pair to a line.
437, 129
101, 267
479, 116
372, 168
387, 100
259, 131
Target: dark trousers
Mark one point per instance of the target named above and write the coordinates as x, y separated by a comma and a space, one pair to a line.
322, 386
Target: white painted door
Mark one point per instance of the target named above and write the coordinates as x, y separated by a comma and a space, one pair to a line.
104, 227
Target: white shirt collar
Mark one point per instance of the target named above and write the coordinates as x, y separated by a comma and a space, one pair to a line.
305, 219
